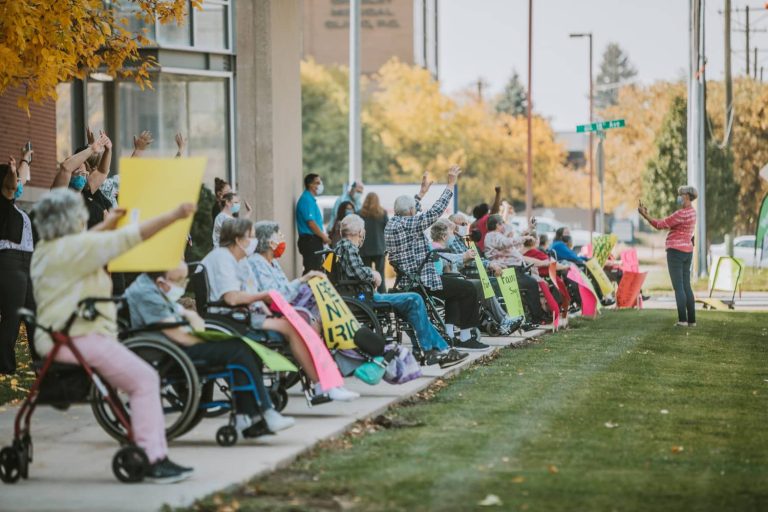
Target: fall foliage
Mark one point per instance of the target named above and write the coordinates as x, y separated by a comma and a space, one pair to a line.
46, 42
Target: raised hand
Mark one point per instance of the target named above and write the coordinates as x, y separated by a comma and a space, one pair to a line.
111, 217
184, 210
143, 140
180, 143
425, 184
89, 135
99, 144
107, 141
453, 175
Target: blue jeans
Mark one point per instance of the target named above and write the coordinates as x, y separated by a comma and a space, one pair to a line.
410, 306
679, 264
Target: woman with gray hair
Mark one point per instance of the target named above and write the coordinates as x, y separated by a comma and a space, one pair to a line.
270, 246
60, 283
679, 244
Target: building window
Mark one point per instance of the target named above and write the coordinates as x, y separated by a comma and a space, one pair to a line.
212, 25
173, 33
63, 121
196, 106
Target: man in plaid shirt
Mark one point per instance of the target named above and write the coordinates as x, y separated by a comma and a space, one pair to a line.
409, 306
409, 247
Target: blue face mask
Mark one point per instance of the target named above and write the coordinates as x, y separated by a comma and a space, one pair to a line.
348, 212
679, 200
77, 182
19, 191
236, 208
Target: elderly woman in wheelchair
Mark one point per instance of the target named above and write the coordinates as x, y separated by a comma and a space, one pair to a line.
232, 284
409, 305
152, 301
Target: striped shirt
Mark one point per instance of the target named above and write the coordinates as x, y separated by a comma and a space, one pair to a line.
680, 225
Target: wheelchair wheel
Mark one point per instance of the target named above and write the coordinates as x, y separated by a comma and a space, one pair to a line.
364, 314
279, 397
179, 387
10, 465
130, 464
226, 435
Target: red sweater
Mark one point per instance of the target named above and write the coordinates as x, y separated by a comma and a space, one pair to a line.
539, 255
680, 225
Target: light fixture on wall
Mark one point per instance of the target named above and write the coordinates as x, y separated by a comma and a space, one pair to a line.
101, 77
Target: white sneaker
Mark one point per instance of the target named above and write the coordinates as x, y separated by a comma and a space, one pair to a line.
242, 422
342, 394
276, 421
681, 324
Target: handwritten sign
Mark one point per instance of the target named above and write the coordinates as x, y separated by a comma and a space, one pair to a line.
511, 293
339, 324
487, 288
599, 274
589, 303
275, 361
328, 373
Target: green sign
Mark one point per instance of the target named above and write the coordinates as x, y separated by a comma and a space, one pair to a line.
602, 125
511, 293
487, 287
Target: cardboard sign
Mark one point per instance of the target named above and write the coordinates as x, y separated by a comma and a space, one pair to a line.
603, 246
511, 293
728, 274
151, 187
487, 288
328, 373
589, 303
272, 360
628, 293
599, 274
339, 324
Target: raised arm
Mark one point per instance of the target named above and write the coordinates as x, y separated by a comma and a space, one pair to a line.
25, 171
71, 164
423, 220
141, 142
496, 201
97, 176
11, 178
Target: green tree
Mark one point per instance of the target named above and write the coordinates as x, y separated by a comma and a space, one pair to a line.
615, 68
514, 99
667, 170
202, 226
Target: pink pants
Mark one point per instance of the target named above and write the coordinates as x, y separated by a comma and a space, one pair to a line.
127, 372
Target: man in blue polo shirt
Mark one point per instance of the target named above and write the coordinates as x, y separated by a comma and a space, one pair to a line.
309, 221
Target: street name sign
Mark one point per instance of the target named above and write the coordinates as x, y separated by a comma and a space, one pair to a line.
602, 125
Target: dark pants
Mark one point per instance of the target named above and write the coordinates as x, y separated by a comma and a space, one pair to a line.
15, 292
377, 262
308, 246
222, 353
462, 306
679, 264
529, 292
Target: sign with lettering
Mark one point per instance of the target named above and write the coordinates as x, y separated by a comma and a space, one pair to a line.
511, 293
339, 324
599, 126
487, 288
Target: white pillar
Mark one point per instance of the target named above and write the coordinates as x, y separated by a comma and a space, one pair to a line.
355, 129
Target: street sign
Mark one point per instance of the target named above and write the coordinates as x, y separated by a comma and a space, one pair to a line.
602, 125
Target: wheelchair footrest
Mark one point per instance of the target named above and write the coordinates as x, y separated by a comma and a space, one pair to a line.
318, 400
257, 430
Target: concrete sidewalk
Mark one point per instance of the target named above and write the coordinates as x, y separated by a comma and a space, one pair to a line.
73, 456
748, 301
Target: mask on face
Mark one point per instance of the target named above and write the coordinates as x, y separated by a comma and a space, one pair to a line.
174, 293
279, 250
463, 230
235, 208
19, 191
679, 200
320, 189
77, 182
348, 212
250, 248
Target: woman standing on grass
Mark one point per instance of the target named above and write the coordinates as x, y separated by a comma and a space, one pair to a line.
679, 246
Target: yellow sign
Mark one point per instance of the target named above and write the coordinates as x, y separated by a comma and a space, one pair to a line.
599, 274
339, 324
328, 263
602, 247
487, 288
511, 293
152, 187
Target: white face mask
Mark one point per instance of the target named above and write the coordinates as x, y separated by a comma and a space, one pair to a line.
175, 293
320, 189
462, 230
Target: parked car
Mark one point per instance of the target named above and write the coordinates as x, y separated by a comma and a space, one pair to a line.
743, 248
548, 225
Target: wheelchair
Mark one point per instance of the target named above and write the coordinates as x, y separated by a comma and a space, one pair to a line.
60, 384
220, 317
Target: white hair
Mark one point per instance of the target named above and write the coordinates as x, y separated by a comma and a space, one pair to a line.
404, 204
458, 217
440, 229
352, 225
691, 191
264, 230
59, 213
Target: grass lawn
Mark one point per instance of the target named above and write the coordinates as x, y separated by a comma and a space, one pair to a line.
755, 280
14, 387
624, 413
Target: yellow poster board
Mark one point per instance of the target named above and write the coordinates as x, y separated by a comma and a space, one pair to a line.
599, 274
602, 247
150, 187
487, 287
511, 293
339, 324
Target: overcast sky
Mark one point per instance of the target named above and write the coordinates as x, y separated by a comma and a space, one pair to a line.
488, 38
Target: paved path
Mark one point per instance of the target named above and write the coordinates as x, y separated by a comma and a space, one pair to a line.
749, 301
72, 467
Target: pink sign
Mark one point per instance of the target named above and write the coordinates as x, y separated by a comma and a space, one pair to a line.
327, 371
588, 297
554, 307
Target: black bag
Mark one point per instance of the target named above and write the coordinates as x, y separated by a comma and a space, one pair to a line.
369, 342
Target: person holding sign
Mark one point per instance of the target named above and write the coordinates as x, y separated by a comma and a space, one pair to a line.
409, 306
152, 300
503, 248
409, 249
232, 281
67, 267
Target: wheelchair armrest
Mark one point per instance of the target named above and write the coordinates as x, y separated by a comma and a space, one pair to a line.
221, 303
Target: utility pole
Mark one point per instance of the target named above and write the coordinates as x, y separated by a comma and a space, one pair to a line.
355, 129
529, 173
754, 68
746, 10
696, 129
727, 65
591, 146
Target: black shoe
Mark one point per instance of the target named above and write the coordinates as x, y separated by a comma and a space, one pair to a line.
528, 326
431, 357
257, 429
471, 345
166, 472
608, 302
183, 469
451, 358
645, 297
